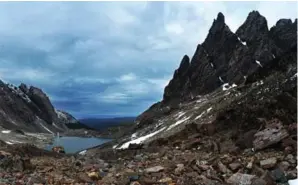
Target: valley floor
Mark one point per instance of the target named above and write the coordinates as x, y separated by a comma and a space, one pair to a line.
187, 163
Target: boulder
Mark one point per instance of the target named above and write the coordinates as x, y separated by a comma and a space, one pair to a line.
268, 163
58, 149
154, 169
269, 136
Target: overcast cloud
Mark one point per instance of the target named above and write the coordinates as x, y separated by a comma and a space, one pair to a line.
106, 58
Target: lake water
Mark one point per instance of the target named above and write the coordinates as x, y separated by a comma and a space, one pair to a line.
76, 144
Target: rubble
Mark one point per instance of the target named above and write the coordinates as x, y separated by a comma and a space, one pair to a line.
268, 163
269, 136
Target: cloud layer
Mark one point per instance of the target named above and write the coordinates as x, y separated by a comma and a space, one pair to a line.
110, 58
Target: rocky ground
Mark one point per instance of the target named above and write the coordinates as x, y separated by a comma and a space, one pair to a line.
193, 161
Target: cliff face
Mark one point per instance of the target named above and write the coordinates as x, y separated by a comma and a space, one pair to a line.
227, 57
30, 109
232, 81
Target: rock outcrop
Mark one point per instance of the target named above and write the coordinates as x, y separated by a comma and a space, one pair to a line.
231, 89
30, 109
228, 58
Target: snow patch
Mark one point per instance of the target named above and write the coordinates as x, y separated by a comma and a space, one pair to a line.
14, 141
243, 43
208, 110
6, 131
293, 182
211, 64
226, 86
273, 55
199, 116
178, 122
134, 135
40, 122
294, 76
55, 125
60, 114
259, 83
19, 92
221, 79
140, 139
83, 152
206, 53
10, 143
259, 63
180, 114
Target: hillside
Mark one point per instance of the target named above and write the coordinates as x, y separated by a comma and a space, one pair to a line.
226, 110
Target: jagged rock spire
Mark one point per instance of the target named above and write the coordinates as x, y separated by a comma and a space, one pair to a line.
229, 56
255, 26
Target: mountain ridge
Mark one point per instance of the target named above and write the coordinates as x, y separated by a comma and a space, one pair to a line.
30, 110
222, 69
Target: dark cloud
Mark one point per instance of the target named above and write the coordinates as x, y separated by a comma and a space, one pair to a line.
108, 58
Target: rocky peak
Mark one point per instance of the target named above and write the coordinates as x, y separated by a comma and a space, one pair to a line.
283, 22
254, 27
225, 57
184, 65
24, 88
284, 34
180, 75
43, 102
218, 23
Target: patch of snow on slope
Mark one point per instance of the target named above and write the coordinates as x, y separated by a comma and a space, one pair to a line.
19, 92
180, 114
273, 55
83, 152
243, 43
199, 116
226, 86
259, 83
55, 125
60, 114
9, 143
294, 76
259, 63
6, 131
40, 122
14, 141
221, 79
140, 139
211, 64
208, 110
46, 128
134, 135
178, 122
293, 182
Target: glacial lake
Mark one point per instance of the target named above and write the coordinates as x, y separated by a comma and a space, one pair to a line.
76, 144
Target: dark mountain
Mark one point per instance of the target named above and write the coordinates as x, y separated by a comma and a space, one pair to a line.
227, 57
234, 85
104, 123
30, 109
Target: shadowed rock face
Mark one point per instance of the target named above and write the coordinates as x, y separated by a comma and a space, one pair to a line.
227, 57
43, 102
246, 58
29, 109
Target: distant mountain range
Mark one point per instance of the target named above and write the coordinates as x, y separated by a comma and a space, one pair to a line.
103, 123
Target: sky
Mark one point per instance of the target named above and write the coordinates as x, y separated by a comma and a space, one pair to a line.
110, 59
